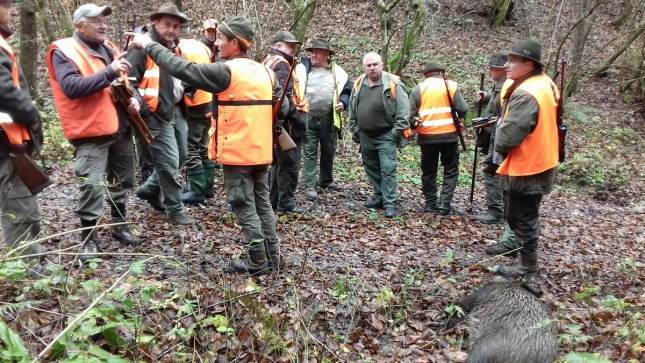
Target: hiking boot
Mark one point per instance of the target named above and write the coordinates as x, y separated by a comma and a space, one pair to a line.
526, 265
295, 210
374, 204
390, 211
153, 199
332, 186
181, 218
197, 180
89, 238
500, 249
209, 177
489, 219
443, 209
253, 264
123, 233
310, 193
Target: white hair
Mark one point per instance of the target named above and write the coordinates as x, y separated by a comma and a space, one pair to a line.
372, 55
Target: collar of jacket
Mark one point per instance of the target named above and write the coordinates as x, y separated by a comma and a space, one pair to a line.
155, 36
282, 54
89, 46
6, 33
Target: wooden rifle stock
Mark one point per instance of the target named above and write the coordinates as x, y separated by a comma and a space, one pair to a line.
479, 114
122, 94
279, 132
29, 173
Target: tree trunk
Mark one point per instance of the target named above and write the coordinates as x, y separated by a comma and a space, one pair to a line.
29, 44
303, 12
602, 70
499, 10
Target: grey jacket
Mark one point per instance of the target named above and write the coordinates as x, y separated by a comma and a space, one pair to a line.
398, 110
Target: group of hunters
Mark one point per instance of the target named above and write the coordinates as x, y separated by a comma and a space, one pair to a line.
208, 104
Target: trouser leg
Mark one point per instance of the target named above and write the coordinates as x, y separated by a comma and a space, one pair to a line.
429, 166
372, 164
240, 194
310, 154
90, 168
522, 214
19, 213
165, 157
450, 162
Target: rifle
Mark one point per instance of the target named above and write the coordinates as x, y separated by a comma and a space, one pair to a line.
479, 113
279, 133
455, 119
28, 172
562, 129
122, 93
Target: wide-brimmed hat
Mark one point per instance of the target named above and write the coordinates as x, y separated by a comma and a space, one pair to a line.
320, 44
285, 37
433, 66
529, 49
238, 27
210, 24
90, 11
169, 9
498, 60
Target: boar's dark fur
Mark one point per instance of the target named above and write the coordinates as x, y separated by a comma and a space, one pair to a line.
507, 324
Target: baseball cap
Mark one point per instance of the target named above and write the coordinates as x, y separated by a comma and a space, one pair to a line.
210, 24
91, 11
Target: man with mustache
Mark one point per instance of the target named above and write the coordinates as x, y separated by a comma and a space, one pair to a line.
81, 69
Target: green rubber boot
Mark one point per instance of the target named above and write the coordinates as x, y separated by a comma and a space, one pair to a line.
196, 178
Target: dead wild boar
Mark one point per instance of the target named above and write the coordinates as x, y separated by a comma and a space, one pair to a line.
508, 324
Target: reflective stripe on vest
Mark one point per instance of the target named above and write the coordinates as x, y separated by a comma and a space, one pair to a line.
538, 151
196, 52
89, 116
434, 110
298, 95
244, 124
16, 133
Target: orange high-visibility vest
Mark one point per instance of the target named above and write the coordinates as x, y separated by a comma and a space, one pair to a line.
244, 126
16, 133
298, 95
89, 116
538, 152
434, 111
507, 83
195, 51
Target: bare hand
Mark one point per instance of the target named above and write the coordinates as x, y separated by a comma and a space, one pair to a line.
138, 41
134, 107
481, 95
339, 107
119, 64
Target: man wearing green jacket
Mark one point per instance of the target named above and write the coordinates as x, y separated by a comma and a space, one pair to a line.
162, 110
378, 119
243, 93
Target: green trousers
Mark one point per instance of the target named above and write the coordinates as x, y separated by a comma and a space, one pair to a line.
247, 191
320, 130
19, 213
379, 162
169, 151
104, 165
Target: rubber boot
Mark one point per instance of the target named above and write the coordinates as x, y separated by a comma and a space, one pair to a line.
209, 175
526, 265
196, 193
